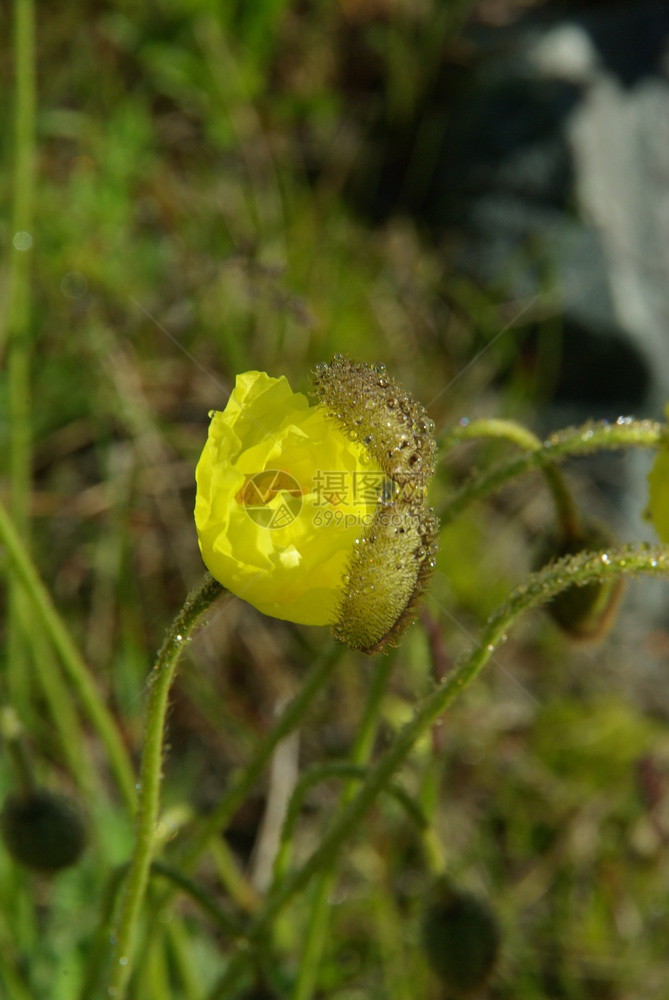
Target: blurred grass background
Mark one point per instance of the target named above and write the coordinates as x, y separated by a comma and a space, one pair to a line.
206, 183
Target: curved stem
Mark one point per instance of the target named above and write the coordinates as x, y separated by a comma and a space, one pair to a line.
197, 603
625, 433
540, 587
508, 430
212, 825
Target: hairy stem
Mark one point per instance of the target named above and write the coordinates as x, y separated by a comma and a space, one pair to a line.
509, 430
625, 433
197, 603
540, 587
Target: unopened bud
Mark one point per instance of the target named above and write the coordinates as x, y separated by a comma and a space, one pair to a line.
42, 830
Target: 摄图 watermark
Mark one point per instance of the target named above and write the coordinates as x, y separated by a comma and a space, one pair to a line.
342, 498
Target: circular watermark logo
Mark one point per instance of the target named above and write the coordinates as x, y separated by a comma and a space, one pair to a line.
260, 488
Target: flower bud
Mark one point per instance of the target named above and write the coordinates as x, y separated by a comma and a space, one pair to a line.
42, 830
585, 613
461, 938
317, 514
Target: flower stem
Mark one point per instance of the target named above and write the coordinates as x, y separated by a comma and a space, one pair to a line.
582, 440
328, 772
317, 922
509, 430
540, 587
211, 825
197, 603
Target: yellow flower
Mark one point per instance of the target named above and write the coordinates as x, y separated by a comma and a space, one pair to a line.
316, 514
276, 518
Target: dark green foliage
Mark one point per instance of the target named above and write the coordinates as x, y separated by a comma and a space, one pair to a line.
42, 830
584, 613
461, 937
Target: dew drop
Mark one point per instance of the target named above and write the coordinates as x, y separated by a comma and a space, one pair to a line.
211, 414
178, 637
339, 357
353, 435
653, 563
605, 558
383, 383
22, 240
464, 421
370, 404
123, 960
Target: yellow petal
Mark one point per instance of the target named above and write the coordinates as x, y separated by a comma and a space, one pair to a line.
286, 556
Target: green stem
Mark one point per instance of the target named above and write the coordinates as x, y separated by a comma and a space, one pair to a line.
509, 430
540, 587
98, 949
213, 823
227, 923
18, 292
196, 605
326, 772
63, 713
11, 731
318, 919
210, 827
18, 331
625, 433
76, 669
